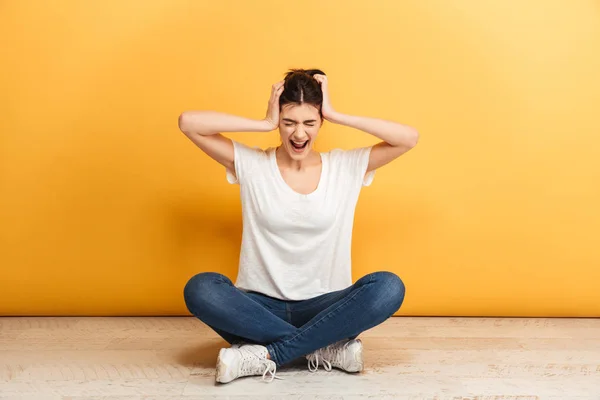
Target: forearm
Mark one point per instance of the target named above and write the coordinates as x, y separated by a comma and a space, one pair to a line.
213, 122
390, 132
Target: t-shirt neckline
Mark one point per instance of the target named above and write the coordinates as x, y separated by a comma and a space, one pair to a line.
287, 187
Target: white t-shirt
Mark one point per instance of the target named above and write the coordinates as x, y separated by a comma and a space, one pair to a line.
297, 246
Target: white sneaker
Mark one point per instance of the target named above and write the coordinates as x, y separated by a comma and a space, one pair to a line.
244, 360
345, 355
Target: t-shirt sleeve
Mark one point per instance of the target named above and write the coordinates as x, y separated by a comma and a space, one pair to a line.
355, 163
245, 160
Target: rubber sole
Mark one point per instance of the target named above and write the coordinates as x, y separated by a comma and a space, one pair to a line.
221, 369
360, 357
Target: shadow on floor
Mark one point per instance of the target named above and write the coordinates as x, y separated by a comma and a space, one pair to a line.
205, 356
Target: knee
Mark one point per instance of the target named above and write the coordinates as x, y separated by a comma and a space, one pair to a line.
199, 292
391, 291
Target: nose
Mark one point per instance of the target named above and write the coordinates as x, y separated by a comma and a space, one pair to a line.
299, 135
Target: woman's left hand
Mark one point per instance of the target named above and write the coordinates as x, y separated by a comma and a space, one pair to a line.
326, 109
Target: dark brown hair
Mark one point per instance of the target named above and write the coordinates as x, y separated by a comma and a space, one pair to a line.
300, 87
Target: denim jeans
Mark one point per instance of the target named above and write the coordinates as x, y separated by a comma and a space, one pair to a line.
292, 329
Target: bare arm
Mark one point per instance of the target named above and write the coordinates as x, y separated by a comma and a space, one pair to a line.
206, 123
204, 128
396, 138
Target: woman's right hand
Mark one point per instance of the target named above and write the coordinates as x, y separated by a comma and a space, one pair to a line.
273, 110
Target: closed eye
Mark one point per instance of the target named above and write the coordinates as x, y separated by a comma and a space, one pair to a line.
311, 125
289, 122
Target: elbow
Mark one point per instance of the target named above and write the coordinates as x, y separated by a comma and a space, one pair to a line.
414, 137
184, 122
193, 122
411, 138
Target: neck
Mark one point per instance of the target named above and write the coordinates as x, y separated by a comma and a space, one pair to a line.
284, 160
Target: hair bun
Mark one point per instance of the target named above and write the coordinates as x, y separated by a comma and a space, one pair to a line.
313, 72
301, 87
298, 72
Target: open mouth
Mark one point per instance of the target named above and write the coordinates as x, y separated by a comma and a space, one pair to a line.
299, 146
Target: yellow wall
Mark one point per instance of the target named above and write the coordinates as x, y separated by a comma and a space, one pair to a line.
106, 208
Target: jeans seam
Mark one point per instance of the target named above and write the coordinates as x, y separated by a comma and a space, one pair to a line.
350, 298
288, 313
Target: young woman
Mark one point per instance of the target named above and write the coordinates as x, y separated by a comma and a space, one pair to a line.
294, 295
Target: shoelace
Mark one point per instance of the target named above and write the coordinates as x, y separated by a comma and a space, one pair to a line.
263, 367
270, 369
328, 357
313, 362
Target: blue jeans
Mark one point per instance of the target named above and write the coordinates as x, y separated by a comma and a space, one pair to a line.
292, 329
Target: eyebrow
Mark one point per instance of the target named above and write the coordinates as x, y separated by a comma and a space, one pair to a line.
294, 121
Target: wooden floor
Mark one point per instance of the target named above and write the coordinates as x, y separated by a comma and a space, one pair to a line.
406, 358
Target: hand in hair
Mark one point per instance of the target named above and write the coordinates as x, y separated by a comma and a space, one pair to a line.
272, 116
326, 109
